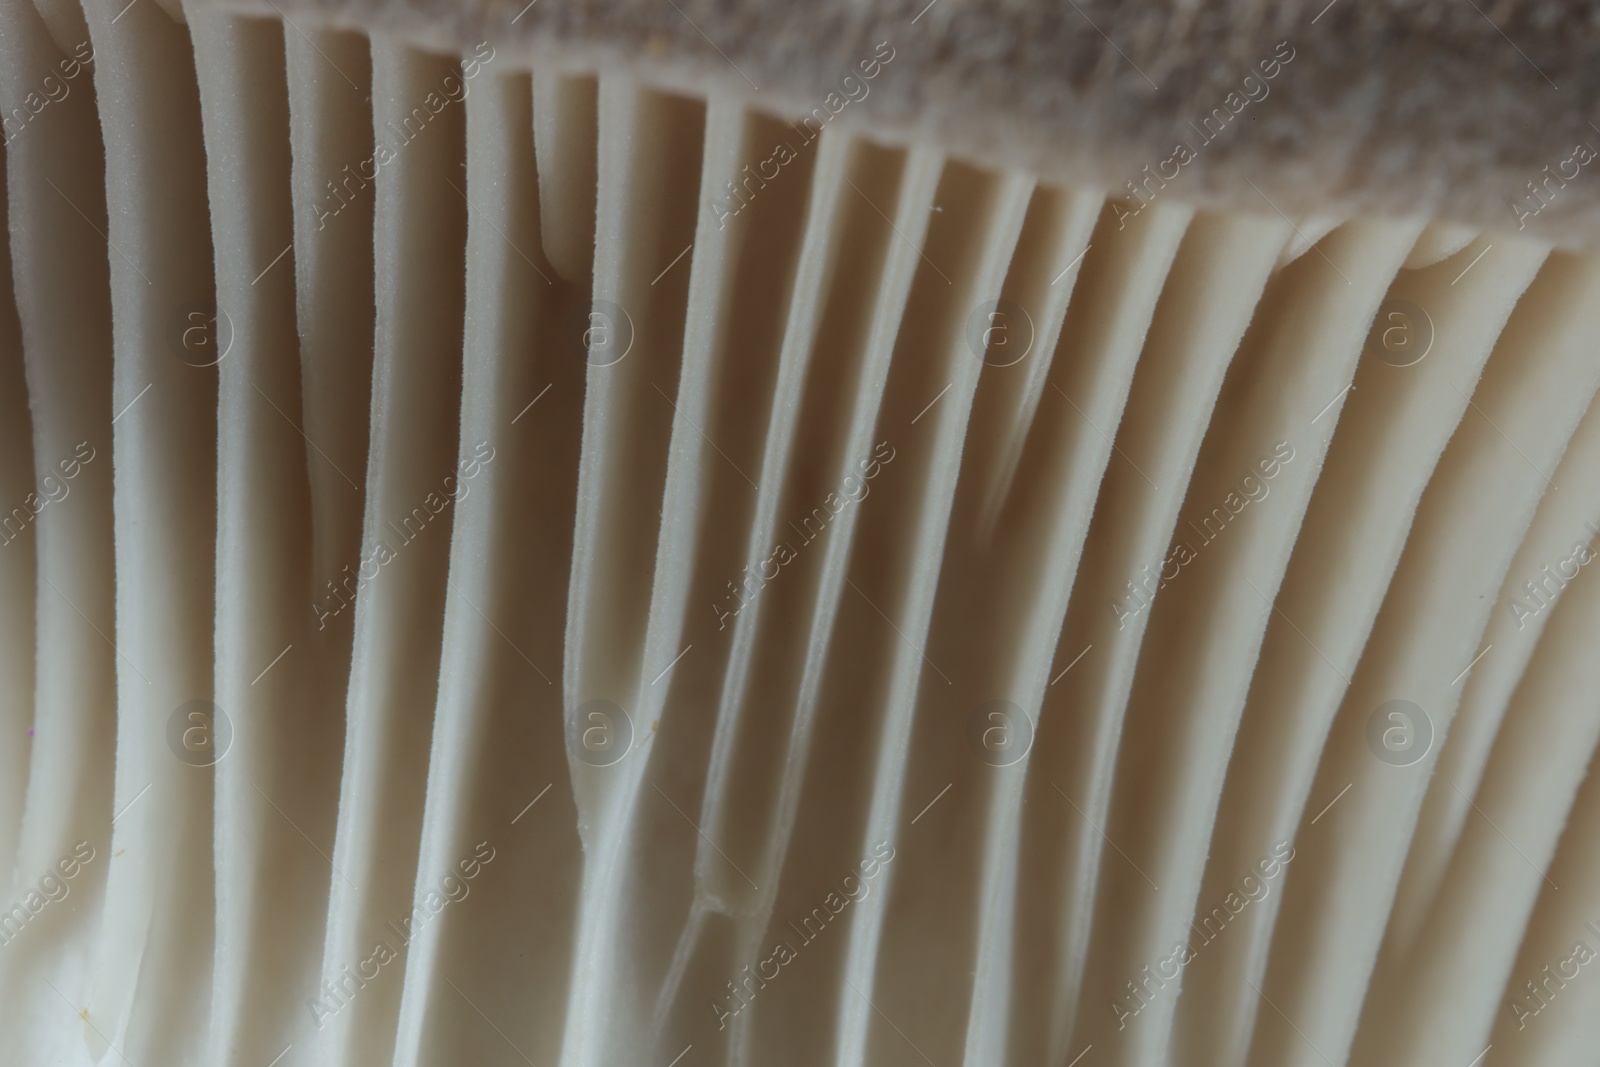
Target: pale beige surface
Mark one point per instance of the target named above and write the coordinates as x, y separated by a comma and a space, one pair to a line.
532, 388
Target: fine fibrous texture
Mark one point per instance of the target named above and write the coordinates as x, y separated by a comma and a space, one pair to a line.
519, 547
1443, 109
